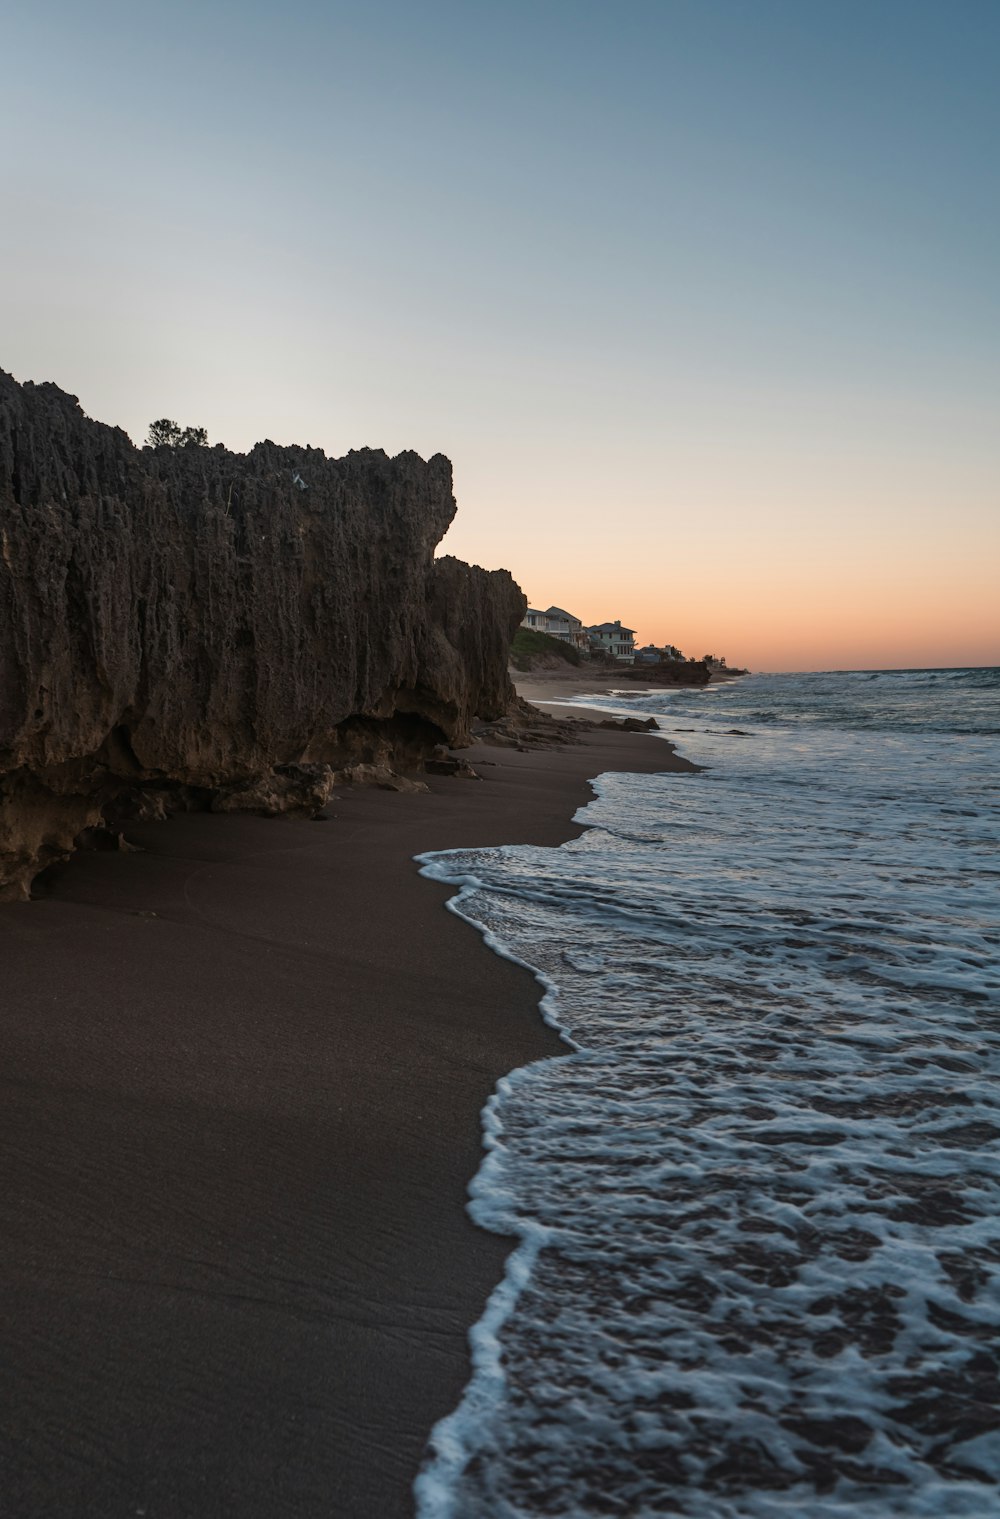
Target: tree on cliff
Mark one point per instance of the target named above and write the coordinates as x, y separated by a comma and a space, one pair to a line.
166, 432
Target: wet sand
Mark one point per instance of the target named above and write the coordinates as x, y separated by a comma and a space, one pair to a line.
550, 688
544, 686
242, 1077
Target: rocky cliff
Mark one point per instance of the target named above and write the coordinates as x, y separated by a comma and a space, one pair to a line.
670, 672
193, 627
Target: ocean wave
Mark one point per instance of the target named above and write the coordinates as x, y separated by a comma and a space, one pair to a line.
757, 1204
893, 701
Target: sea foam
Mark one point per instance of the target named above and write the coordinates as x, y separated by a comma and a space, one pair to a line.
758, 1269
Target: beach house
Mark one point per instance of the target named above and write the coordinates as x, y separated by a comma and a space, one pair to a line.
654, 654
560, 624
611, 638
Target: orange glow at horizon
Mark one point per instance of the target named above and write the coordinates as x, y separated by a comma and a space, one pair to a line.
775, 590
777, 624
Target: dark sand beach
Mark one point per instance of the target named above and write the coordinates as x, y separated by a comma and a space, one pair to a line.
242, 1074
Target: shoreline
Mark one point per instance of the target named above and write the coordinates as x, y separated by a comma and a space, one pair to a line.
239, 1272
542, 687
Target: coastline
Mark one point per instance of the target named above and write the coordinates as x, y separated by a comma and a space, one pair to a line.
541, 686
238, 1268
545, 687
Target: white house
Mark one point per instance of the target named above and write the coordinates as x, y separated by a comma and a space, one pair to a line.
611, 638
567, 627
558, 624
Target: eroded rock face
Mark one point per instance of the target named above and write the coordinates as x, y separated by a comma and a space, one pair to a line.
670, 672
212, 627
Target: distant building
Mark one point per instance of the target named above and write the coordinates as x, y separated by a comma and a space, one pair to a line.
564, 625
558, 623
653, 654
713, 663
611, 638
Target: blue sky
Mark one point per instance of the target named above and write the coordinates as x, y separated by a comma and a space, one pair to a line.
713, 280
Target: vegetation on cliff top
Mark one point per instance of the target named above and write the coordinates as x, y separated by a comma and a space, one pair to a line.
165, 431
529, 646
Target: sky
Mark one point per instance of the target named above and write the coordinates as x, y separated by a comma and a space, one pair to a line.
700, 297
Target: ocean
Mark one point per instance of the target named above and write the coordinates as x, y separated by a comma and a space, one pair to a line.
757, 1203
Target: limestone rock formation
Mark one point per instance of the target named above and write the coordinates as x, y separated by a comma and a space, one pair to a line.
192, 627
669, 672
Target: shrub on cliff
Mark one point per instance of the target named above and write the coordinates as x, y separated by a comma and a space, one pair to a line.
166, 432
